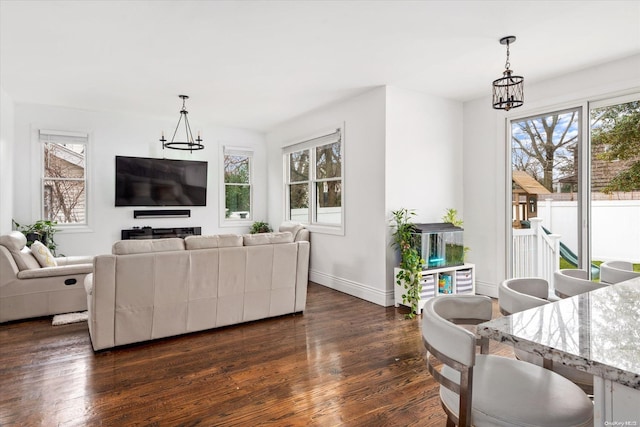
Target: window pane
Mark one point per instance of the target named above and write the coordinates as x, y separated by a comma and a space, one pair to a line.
236, 169
64, 196
237, 201
64, 201
299, 166
328, 161
545, 193
299, 202
329, 206
615, 183
64, 160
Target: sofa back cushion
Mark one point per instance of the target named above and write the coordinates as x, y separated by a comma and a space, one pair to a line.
16, 243
128, 247
212, 242
293, 227
267, 238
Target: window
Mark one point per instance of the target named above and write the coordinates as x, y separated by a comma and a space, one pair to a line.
314, 181
237, 184
64, 178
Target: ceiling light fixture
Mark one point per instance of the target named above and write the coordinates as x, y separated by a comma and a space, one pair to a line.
508, 91
190, 144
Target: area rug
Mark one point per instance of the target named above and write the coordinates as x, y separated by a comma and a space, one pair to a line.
65, 319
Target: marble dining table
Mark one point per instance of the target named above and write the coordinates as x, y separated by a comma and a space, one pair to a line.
596, 332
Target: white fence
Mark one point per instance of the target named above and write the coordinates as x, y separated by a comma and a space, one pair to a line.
614, 226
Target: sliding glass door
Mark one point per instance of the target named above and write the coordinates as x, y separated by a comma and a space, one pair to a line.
575, 188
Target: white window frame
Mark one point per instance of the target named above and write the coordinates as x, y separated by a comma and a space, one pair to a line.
328, 136
236, 151
65, 137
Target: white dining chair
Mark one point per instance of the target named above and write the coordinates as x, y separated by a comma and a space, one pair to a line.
519, 294
488, 390
612, 272
570, 282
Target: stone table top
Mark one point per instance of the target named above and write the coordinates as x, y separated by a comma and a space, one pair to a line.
596, 332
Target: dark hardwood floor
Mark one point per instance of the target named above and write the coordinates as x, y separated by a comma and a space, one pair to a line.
344, 362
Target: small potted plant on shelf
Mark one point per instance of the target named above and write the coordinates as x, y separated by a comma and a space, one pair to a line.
260, 227
41, 230
405, 240
451, 217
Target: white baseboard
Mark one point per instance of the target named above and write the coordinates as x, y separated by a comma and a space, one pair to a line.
485, 288
376, 296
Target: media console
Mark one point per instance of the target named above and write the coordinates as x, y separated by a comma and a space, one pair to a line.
159, 233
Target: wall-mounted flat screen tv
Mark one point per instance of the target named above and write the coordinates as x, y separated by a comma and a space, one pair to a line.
142, 181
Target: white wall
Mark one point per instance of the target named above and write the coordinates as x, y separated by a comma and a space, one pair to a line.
353, 263
423, 153
6, 161
485, 151
114, 134
402, 149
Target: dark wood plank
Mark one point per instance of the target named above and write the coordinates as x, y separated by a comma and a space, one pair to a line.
345, 361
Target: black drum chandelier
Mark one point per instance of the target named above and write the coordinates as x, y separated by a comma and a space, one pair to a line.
508, 91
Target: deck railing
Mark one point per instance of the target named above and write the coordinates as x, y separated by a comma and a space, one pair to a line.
535, 253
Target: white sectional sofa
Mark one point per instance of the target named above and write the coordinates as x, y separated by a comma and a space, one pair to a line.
148, 289
28, 289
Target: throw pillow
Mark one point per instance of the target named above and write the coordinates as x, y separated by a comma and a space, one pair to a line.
43, 255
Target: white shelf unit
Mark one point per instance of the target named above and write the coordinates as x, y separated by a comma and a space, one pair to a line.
459, 279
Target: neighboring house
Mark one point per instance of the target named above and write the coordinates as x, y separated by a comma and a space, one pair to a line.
64, 188
602, 172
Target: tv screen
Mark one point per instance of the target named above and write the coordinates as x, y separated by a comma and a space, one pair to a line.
144, 181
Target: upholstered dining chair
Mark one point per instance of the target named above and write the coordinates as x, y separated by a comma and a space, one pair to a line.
570, 282
489, 390
522, 293
612, 272
519, 294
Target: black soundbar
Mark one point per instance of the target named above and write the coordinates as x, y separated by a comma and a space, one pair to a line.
162, 213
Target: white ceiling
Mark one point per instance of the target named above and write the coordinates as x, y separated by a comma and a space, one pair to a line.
254, 64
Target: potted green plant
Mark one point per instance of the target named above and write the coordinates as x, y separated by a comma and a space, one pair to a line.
451, 217
409, 274
260, 227
41, 230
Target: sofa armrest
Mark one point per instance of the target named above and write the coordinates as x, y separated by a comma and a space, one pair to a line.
73, 260
101, 301
65, 270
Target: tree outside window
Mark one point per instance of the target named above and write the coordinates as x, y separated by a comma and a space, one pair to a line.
64, 182
615, 138
314, 181
328, 183
237, 186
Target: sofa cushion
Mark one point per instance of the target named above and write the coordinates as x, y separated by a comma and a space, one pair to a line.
128, 247
43, 255
26, 260
267, 238
16, 243
211, 242
292, 227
